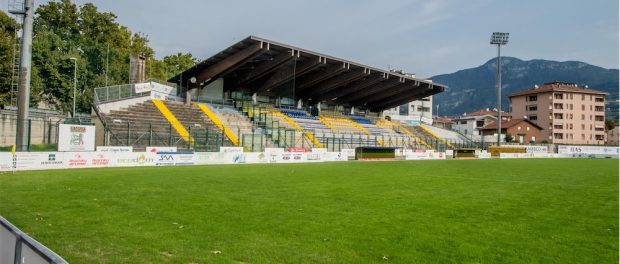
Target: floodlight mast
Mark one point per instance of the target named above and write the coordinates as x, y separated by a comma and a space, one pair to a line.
499, 39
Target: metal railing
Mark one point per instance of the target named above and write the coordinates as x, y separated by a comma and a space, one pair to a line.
116, 92
18, 247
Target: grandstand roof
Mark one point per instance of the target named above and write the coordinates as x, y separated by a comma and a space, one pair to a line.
271, 68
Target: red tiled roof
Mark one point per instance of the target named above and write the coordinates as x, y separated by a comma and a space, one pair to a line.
442, 120
486, 112
557, 87
508, 124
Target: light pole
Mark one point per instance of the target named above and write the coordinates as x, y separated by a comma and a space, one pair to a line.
499, 39
74, 83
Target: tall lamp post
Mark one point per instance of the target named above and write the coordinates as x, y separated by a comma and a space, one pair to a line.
499, 39
74, 83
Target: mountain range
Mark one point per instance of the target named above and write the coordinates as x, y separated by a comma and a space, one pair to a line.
473, 89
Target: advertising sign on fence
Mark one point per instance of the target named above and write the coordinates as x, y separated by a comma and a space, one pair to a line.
6, 161
529, 148
161, 149
39, 161
231, 149
76, 138
588, 150
112, 149
174, 158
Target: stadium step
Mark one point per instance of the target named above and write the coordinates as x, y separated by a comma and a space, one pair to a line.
172, 119
216, 120
296, 126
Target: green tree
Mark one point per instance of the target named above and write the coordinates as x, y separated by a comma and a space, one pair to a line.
102, 46
7, 42
509, 138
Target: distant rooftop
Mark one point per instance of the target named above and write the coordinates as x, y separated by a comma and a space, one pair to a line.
558, 86
508, 124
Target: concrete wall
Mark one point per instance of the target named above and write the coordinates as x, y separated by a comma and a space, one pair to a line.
44, 129
116, 105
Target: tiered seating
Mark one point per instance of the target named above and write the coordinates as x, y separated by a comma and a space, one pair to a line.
341, 125
143, 125
289, 133
446, 134
307, 122
241, 126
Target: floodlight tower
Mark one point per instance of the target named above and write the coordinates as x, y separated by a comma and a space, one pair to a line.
499, 39
26, 11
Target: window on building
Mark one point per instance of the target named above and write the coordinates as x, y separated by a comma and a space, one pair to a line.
558, 106
599, 99
558, 135
583, 127
531, 108
599, 118
599, 108
404, 110
558, 116
583, 97
558, 96
532, 98
532, 117
583, 108
558, 126
480, 123
463, 122
600, 137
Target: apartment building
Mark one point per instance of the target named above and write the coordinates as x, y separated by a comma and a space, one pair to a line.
413, 113
568, 114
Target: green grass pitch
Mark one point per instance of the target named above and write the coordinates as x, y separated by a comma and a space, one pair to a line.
475, 211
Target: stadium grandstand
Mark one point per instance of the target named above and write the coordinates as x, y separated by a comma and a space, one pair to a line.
261, 94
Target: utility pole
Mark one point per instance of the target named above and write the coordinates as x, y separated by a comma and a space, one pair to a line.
25, 65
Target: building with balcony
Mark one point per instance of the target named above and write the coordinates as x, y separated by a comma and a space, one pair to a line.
469, 124
567, 113
413, 113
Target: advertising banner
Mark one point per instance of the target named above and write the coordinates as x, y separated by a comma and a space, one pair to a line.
142, 87
6, 161
319, 150
174, 158
211, 158
529, 148
231, 149
335, 156
425, 156
113, 149
133, 159
350, 153
161, 149
39, 161
588, 150
76, 138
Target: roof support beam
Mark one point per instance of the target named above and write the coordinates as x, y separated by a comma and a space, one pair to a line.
338, 81
210, 74
405, 98
283, 77
396, 90
353, 87
375, 89
318, 77
267, 67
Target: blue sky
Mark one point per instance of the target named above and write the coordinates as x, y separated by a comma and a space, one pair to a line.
424, 37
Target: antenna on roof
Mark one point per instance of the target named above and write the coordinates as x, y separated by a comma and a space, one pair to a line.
536, 86
585, 86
